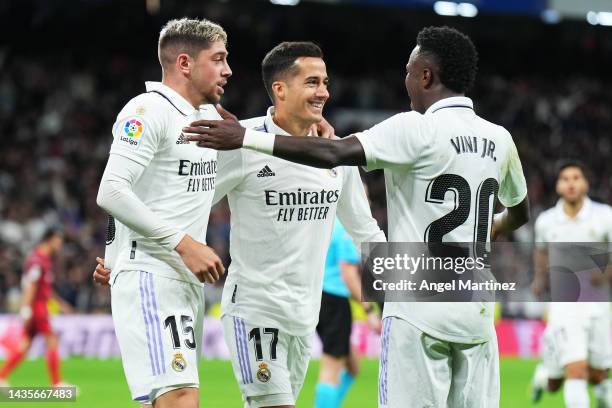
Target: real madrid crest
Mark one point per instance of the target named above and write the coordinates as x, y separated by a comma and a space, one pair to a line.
264, 374
333, 172
178, 362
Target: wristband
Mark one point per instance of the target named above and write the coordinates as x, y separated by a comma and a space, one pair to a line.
25, 312
258, 141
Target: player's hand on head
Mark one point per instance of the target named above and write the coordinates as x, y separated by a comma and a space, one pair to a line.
201, 260
101, 274
226, 134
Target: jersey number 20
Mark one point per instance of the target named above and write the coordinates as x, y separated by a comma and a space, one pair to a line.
463, 201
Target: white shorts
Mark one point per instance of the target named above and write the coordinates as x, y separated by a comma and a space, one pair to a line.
159, 323
269, 365
417, 370
579, 338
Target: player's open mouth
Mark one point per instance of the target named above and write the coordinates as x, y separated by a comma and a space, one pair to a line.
317, 105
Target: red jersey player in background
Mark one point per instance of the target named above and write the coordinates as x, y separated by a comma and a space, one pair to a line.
37, 290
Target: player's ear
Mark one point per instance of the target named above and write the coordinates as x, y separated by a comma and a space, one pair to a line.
183, 63
279, 89
427, 78
558, 187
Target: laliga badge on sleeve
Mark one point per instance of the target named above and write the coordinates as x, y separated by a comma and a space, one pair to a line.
132, 132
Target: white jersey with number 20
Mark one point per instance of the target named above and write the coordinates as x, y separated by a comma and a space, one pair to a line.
443, 170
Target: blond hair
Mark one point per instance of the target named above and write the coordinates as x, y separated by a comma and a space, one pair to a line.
187, 35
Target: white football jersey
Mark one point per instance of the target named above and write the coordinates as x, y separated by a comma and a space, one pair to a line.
282, 216
443, 171
177, 184
593, 223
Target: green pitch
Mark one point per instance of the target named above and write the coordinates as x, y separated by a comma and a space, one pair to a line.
102, 385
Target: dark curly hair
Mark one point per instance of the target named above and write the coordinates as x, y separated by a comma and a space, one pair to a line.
454, 53
280, 60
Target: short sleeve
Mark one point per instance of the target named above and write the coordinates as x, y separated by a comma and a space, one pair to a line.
513, 187
395, 142
137, 133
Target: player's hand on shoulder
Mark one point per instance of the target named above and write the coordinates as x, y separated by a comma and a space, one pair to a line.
226, 134
101, 275
201, 260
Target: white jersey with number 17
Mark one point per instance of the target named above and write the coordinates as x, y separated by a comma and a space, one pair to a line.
443, 172
282, 219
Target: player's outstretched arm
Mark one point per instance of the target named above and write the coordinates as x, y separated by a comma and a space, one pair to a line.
317, 152
228, 134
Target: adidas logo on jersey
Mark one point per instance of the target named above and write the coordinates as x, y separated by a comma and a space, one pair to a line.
181, 139
266, 172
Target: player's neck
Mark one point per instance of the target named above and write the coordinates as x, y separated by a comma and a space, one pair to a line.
185, 90
290, 125
439, 95
572, 209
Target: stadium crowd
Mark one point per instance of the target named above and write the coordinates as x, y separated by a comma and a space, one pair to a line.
56, 111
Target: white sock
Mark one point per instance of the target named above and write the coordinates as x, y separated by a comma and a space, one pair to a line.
576, 393
540, 377
603, 393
